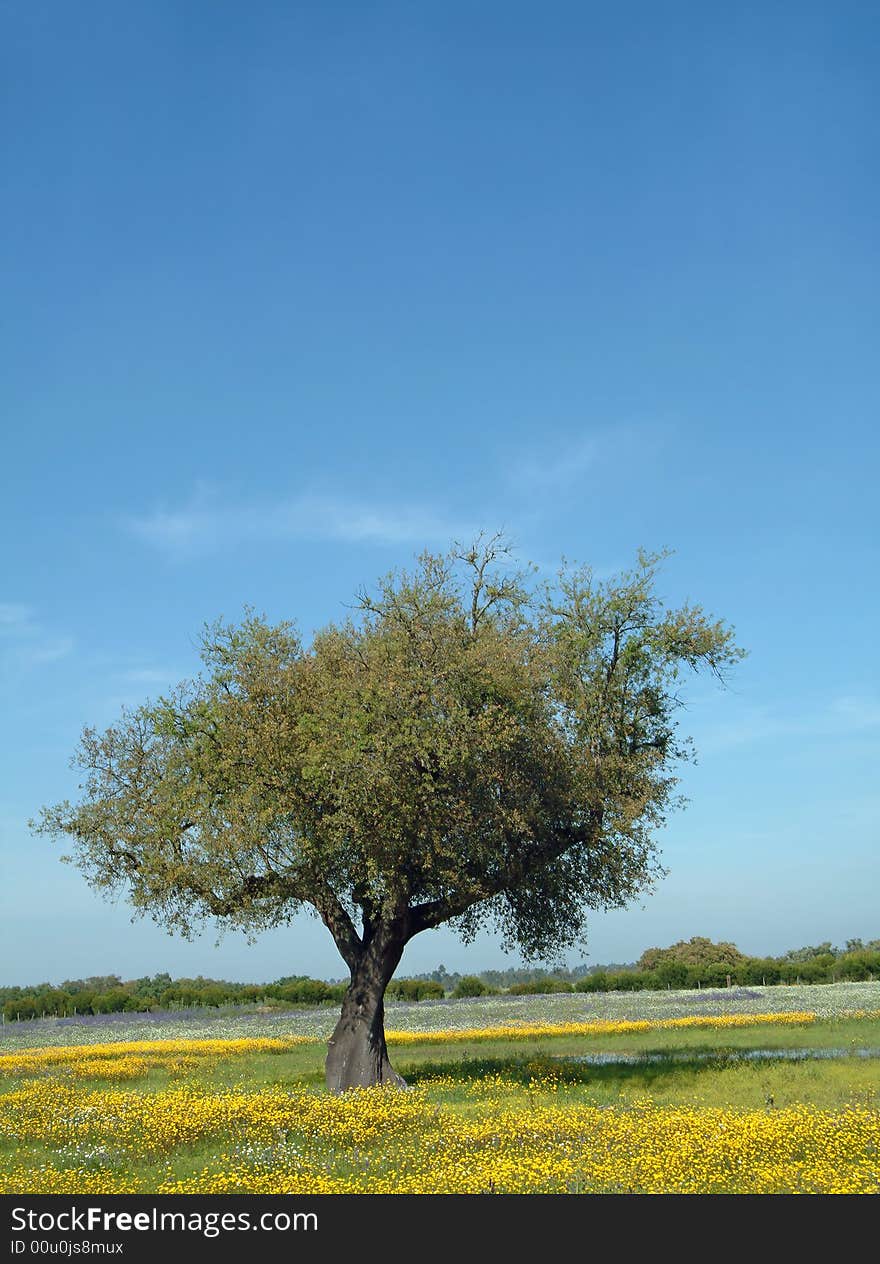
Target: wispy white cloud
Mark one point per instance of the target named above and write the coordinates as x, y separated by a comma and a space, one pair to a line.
846, 715
555, 468
560, 463
48, 650
15, 617
207, 523
148, 676
25, 643
855, 712
528, 481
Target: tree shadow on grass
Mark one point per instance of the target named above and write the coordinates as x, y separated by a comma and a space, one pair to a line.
650, 1066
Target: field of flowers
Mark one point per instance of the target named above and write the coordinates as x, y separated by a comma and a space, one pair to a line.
130, 1059
494, 1106
509, 1138
828, 1000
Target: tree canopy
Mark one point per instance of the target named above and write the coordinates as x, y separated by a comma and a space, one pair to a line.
470, 746
696, 951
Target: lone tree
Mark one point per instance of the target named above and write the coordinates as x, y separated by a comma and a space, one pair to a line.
469, 747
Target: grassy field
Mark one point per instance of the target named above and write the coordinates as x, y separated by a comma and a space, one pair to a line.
675, 1107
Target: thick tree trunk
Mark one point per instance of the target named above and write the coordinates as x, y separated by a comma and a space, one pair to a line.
357, 1056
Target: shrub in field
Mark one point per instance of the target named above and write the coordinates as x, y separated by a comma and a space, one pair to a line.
140, 1004
671, 974
414, 990
814, 971
597, 982
763, 970
470, 985
626, 981
24, 1007
303, 991
537, 987
697, 951
859, 966
111, 1002
708, 975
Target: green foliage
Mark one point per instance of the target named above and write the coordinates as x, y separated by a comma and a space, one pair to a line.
470, 985
504, 980
798, 955
595, 982
470, 747
827, 968
415, 990
304, 991
696, 951
535, 987
137, 996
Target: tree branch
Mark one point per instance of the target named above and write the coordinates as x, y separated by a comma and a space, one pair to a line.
339, 924
434, 913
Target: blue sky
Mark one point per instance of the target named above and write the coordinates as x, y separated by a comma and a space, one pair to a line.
293, 291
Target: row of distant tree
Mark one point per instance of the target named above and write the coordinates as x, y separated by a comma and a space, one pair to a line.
691, 963
109, 994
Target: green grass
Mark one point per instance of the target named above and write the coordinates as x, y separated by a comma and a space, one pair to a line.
680, 1081
743, 1086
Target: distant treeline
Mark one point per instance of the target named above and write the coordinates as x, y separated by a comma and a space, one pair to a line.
108, 994
693, 963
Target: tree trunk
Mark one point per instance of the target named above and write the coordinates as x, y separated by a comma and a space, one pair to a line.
357, 1056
